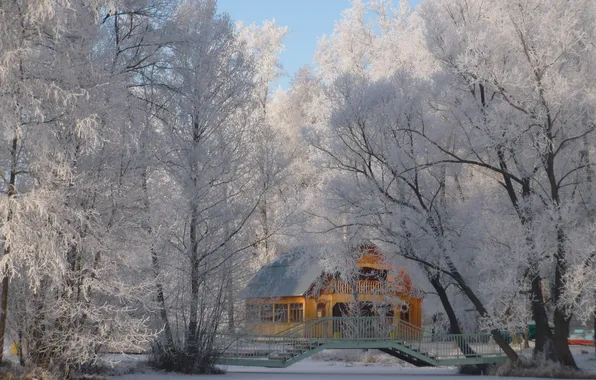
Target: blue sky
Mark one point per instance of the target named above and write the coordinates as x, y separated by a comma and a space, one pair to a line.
306, 20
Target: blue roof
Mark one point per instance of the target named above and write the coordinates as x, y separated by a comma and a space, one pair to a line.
291, 274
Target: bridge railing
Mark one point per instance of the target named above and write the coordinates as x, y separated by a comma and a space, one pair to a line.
349, 332
297, 329
456, 346
262, 347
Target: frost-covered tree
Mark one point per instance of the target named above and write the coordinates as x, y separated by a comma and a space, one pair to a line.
209, 166
129, 133
519, 98
265, 43
374, 38
389, 188
71, 235
509, 114
362, 49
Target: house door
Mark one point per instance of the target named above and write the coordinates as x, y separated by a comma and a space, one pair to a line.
325, 328
340, 309
321, 310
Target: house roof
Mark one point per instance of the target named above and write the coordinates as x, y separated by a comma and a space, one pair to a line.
291, 274
294, 272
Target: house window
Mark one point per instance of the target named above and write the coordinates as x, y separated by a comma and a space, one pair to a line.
404, 313
267, 312
389, 313
252, 312
281, 313
296, 312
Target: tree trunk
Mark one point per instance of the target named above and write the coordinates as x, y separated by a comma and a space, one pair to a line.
4, 309
454, 327
20, 349
454, 273
162, 303
192, 336
453, 323
265, 225
561, 334
496, 334
561, 319
544, 337
526, 220
5, 282
441, 291
229, 272
155, 266
230, 298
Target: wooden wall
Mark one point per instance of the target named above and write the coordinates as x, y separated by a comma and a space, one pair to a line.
310, 309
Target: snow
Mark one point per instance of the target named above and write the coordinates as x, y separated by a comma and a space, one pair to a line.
347, 365
585, 358
311, 369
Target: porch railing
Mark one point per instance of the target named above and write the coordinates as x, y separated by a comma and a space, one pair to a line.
354, 328
362, 287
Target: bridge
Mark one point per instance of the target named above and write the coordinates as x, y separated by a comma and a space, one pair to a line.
391, 336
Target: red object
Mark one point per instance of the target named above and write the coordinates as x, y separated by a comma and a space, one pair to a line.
580, 342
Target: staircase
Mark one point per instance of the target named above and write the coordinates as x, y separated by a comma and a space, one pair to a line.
268, 351
296, 350
407, 358
397, 338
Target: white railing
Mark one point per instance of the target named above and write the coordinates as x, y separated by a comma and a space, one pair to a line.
362, 287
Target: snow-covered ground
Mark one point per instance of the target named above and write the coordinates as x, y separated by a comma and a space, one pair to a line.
585, 358
348, 365
315, 370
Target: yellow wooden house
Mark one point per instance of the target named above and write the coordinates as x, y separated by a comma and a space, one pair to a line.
295, 288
